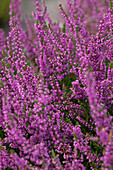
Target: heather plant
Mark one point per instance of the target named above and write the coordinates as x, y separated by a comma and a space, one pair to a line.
56, 89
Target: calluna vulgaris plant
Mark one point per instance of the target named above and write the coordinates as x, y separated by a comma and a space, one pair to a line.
56, 89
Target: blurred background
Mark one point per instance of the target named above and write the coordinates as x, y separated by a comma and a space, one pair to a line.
4, 16
91, 16
27, 7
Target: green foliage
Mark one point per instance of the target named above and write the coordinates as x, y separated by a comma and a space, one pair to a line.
75, 136
2, 133
1, 83
107, 65
64, 28
53, 153
37, 22
12, 151
111, 3
68, 81
4, 53
111, 64
35, 101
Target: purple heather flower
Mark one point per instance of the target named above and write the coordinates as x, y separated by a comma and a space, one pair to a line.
56, 90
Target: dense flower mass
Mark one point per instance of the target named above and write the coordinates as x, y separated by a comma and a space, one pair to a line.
56, 88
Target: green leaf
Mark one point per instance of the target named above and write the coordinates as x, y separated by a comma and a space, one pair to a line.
24, 67
91, 69
81, 106
111, 64
15, 73
64, 137
12, 151
4, 53
60, 5
77, 124
61, 124
111, 3
43, 164
75, 136
10, 116
24, 106
0, 147
75, 65
40, 75
53, 153
8, 66
19, 168
21, 75
3, 63
74, 41
38, 113
24, 117
74, 49
86, 52
5, 123
43, 107
30, 113
36, 70
107, 61
85, 85
67, 120
15, 114
64, 94
8, 127
37, 22
81, 69
2, 85
35, 101
64, 28
38, 83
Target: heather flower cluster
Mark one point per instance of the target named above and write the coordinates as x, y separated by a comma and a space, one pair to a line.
56, 88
